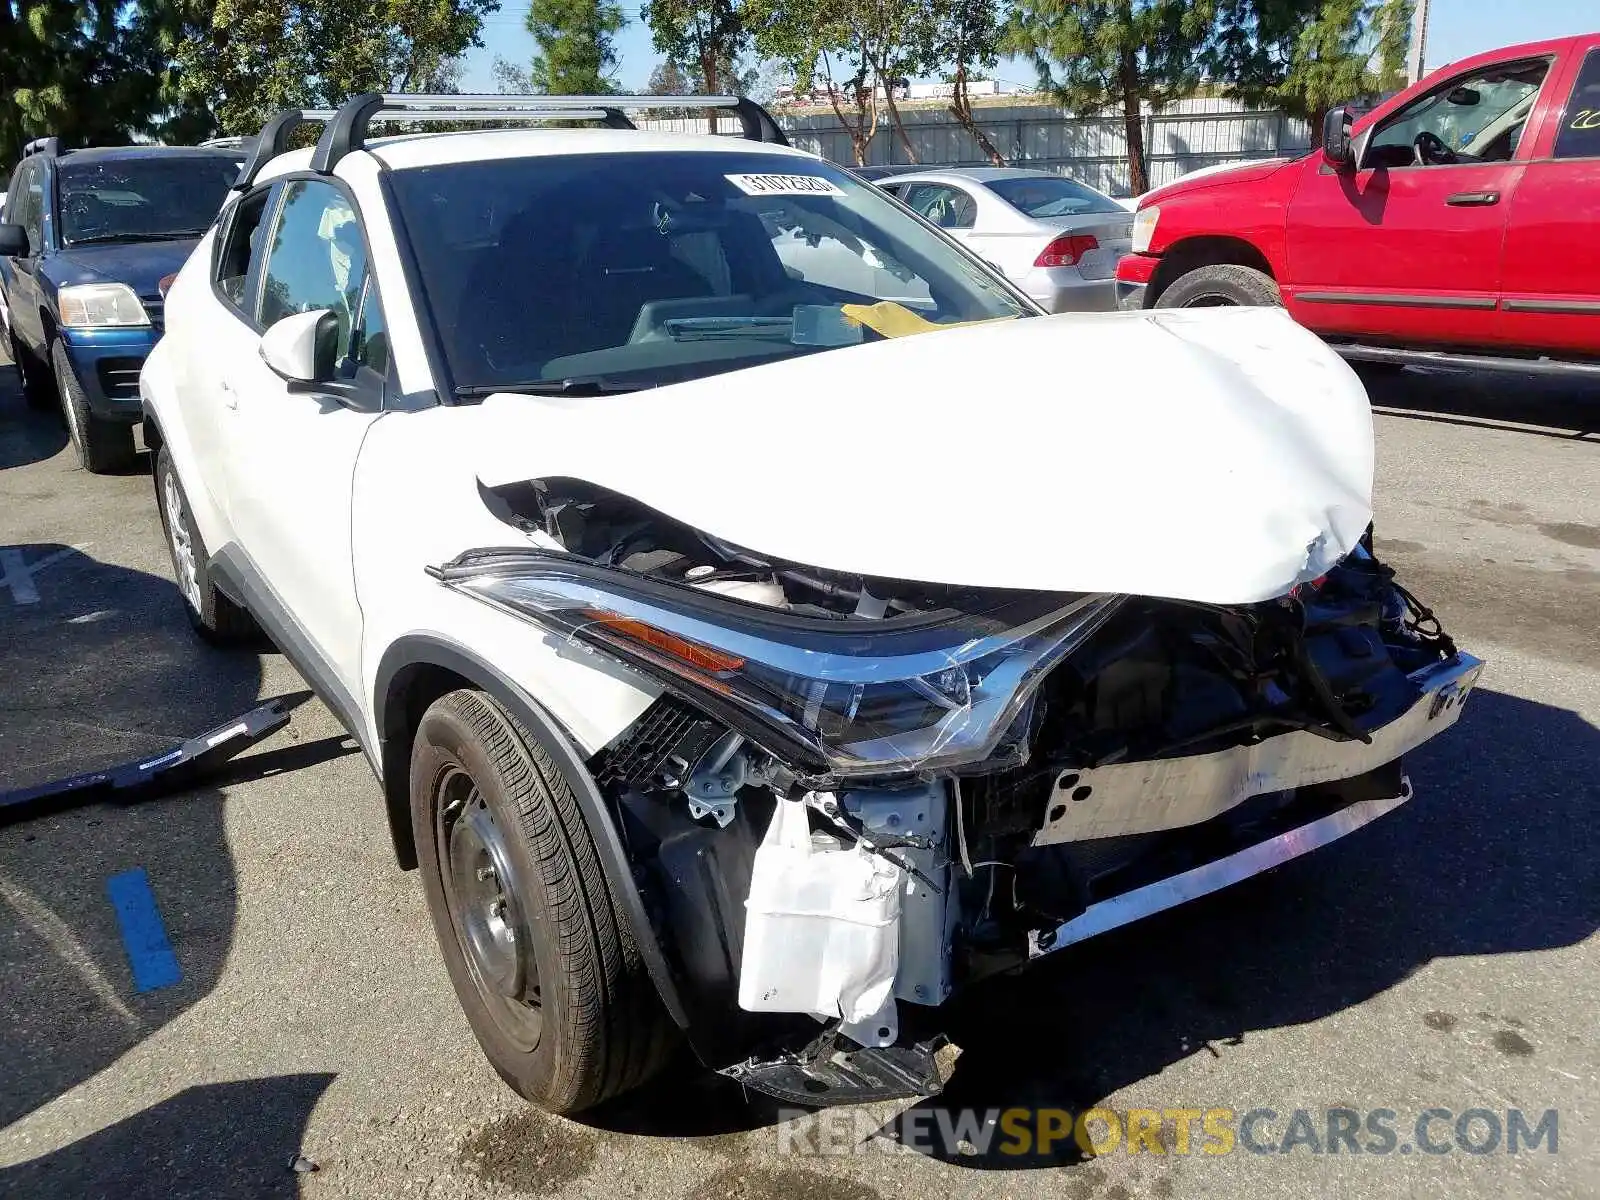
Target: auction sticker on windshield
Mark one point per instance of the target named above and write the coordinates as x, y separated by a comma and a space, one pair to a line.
785, 185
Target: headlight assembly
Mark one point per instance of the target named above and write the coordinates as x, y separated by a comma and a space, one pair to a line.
1144, 227
832, 697
101, 306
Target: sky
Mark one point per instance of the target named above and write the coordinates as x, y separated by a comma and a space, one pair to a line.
1456, 29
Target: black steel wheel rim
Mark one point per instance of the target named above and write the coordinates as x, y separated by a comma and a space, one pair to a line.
489, 906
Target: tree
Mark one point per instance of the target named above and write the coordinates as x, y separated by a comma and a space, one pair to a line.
1097, 54
1307, 56
669, 79
850, 48
575, 50
704, 39
249, 58
964, 35
897, 34
87, 71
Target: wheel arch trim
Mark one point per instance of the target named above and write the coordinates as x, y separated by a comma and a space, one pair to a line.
397, 667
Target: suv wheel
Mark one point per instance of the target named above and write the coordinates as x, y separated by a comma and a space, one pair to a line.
102, 446
36, 389
1220, 285
215, 617
543, 962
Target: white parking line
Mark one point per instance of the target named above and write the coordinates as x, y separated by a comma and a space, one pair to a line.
17, 573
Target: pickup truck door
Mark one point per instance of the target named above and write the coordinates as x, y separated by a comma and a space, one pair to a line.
290, 450
1550, 294
1407, 245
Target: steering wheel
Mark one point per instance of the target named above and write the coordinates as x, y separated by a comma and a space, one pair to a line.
1429, 150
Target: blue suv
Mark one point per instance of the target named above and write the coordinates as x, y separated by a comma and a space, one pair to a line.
88, 238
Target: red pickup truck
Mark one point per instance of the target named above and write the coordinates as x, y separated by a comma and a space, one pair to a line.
1457, 223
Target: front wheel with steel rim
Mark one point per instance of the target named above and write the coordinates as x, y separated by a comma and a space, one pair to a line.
543, 960
1221, 285
215, 617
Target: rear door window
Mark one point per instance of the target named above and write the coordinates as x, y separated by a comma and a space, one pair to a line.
1579, 136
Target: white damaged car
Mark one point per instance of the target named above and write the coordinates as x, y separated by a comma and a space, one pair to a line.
756, 634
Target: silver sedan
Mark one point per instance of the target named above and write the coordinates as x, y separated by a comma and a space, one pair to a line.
1057, 239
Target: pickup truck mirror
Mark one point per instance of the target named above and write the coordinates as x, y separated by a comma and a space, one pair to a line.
1336, 143
13, 241
303, 347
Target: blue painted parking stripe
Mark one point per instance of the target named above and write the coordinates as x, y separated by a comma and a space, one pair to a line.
144, 936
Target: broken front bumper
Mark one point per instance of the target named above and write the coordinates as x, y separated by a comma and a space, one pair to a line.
1173, 793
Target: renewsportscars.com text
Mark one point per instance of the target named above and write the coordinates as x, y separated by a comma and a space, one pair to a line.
1025, 1132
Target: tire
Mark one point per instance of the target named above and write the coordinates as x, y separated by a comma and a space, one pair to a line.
562, 1006
1221, 285
37, 390
214, 617
102, 446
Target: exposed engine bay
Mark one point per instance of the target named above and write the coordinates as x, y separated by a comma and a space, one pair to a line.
855, 794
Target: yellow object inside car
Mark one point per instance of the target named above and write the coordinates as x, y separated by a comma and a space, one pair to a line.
891, 320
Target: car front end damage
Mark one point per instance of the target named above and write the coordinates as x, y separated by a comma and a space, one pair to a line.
854, 796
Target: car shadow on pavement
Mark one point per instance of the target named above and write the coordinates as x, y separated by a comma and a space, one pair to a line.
216, 1141
1563, 408
26, 435
101, 668
1498, 853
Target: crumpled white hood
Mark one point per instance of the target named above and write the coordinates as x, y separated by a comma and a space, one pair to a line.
1217, 455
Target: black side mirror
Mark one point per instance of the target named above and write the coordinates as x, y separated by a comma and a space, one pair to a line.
14, 242
1336, 145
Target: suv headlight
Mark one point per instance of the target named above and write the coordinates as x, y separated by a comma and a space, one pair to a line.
101, 306
831, 697
1144, 227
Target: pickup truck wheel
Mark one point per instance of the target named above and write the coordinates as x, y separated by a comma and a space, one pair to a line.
1219, 285
214, 617
542, 959
36, 389
102, 446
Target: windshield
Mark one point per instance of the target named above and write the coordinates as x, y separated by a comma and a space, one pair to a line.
637, 269
142, 199
1051, 196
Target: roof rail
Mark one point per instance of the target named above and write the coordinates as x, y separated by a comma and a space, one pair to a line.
274, 140
347, 130
47, 147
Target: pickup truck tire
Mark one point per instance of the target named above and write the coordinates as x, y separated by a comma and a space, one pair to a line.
102, 446
214, 617
542, 958
1221, 284
35, 376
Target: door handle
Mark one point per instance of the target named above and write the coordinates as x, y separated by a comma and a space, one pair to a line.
230, 398
1473, 199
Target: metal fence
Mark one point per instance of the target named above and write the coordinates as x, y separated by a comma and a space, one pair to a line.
1181, 137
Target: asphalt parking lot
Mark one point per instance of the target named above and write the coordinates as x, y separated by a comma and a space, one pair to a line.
1445, 957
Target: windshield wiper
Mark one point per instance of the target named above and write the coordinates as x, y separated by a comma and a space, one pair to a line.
707, 329
171, 235
588, 386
